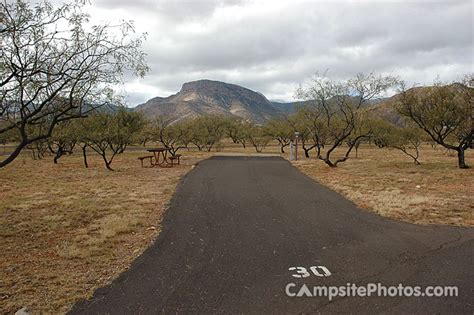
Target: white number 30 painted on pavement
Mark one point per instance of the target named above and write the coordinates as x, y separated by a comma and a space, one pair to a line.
319, 271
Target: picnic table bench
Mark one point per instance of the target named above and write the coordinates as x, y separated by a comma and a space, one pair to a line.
160, 158
174, 158
150, 157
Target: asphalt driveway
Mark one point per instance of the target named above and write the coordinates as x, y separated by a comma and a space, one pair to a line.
237, 225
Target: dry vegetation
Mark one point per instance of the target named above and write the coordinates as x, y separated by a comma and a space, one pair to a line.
388, 183
66, 230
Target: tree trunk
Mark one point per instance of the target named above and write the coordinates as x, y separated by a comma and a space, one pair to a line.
357, 149
59, 153
107, 163
328, 162
13, 155
461, 161
281, 149
84, 154
306, 152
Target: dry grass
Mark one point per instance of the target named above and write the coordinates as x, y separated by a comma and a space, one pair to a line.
388, 183
66, 230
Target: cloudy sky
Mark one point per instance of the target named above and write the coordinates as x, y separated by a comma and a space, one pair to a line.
272, 46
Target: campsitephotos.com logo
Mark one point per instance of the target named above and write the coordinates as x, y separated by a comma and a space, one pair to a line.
370, 289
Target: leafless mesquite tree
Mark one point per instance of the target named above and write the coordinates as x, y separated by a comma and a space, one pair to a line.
337, 112
110, 134
54, 66
302, 122
173, 136
444, 112
236, 129
281, 130
63, 140
206, 131
258, 137
407, 139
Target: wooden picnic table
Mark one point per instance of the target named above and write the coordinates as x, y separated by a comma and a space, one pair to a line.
161, 157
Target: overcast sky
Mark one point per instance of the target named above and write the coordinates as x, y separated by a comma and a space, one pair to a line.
272, 46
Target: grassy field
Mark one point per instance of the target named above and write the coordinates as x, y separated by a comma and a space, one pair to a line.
388, 183
66, 230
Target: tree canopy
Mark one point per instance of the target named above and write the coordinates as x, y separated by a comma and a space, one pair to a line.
55, 66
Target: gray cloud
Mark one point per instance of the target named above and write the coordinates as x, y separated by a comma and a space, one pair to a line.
272, 46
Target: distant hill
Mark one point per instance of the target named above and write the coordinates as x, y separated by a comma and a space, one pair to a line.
290, 107
212, 97
106, 108
386, 108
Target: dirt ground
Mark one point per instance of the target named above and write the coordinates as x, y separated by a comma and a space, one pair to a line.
387, 182
66, 230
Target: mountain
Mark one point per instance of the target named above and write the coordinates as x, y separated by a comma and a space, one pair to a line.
291, 107
212, 97
385, 108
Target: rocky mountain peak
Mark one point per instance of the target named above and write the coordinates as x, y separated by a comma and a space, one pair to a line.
212, 97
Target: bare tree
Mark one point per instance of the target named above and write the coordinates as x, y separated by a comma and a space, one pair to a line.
407, 139
206, 131
444, 112
307, 122
338, 111
173, 136
64, 138
280, 130
38, 149
55, 67
110, 134
235, 128
258, 137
